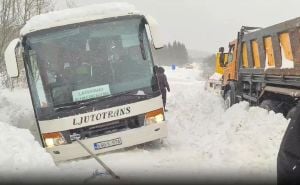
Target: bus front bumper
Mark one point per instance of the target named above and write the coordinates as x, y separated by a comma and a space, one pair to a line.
109, 142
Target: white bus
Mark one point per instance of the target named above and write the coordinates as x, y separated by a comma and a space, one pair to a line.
90, 75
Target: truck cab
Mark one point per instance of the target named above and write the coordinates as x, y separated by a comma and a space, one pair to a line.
229, 64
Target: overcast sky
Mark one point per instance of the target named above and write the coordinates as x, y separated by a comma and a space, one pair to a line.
206, 25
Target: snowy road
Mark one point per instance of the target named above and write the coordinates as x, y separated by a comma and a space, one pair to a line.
203, 140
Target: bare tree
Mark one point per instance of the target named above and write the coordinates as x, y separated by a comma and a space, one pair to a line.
13, 15
71, 4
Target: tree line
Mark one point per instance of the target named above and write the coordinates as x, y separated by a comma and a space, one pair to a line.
208, 65
175, 53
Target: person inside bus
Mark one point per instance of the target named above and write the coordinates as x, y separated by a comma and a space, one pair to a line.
163, 85
55, 66
98, 57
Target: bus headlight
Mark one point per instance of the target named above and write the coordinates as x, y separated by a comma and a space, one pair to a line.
156, 116
54, 139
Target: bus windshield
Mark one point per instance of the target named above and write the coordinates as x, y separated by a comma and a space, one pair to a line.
89, 61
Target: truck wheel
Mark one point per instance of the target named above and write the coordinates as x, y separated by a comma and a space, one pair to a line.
229, 99
271, 105
291, 113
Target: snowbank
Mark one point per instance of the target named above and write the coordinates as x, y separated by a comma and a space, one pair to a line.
75, 15
16, 109
204, 141
21, 156
240, 141
216, 77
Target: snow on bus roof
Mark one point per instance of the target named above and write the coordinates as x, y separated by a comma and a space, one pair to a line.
76, 15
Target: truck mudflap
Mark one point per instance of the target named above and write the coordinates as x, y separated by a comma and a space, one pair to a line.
107, 143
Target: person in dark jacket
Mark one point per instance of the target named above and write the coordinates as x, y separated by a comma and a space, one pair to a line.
288, 160
155, 69
163, 84
154, 82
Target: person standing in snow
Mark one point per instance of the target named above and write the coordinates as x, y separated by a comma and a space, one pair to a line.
154, 83
163, 84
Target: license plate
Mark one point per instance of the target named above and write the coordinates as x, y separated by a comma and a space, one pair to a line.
107, 144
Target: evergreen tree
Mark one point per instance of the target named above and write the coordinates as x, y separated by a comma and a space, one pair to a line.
173, 53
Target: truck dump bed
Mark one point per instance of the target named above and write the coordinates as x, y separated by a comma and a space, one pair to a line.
271, 54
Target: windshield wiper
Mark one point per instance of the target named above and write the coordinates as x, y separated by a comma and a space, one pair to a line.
128, 93
76, 105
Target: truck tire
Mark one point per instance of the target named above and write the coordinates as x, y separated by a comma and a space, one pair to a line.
271, 105
291, 113
229, 99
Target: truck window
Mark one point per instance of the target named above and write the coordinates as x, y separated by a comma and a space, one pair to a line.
230, 54
255, 53
230, 58
270, 59
245, 56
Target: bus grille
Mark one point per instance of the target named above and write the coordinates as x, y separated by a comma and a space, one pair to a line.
104, 128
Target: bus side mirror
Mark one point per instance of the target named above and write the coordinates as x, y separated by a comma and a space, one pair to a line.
155, 33
11, 59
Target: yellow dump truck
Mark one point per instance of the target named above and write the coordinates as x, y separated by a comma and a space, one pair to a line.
263, 67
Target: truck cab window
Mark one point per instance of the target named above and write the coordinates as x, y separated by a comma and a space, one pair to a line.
230, 54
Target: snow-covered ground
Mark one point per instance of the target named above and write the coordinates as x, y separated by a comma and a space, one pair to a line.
204, 141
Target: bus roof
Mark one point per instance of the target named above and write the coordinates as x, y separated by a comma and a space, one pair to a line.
77, 15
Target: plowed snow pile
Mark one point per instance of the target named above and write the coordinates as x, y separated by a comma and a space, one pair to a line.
204, 140
21, 156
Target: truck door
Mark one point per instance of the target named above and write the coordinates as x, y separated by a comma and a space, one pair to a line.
230, 67
221, 64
